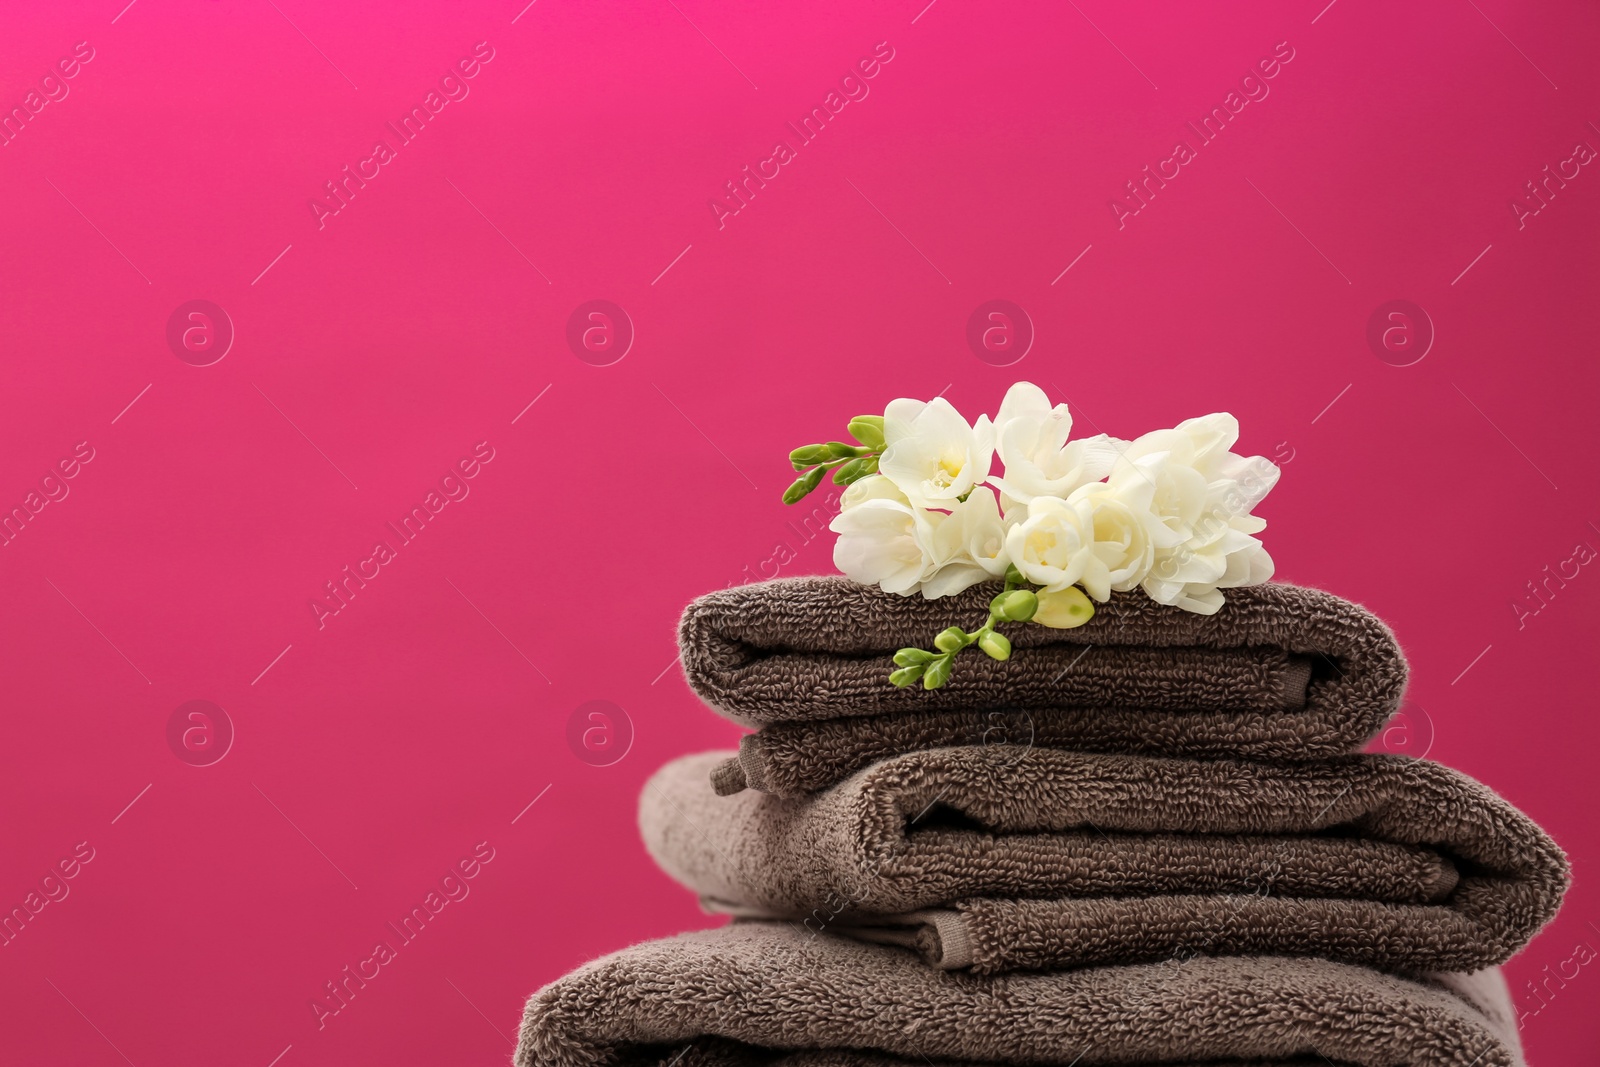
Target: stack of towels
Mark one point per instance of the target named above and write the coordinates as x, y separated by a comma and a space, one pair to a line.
1148, 840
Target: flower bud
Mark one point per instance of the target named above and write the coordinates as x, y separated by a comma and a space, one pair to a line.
806, 455
1064, 609
906, 675
803, 485
1017, 605
839, 450
952, 640
937, 673
868, 429
847, 472
996, 645
910, 657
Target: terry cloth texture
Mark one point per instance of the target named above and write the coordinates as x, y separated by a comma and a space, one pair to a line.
1279, 672
754, 993
1005, 858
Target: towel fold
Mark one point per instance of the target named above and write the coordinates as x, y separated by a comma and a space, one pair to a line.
757, 994
791, 759
1279, 672
1002, 857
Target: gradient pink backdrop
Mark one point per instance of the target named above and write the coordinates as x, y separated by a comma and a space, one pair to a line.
375, 352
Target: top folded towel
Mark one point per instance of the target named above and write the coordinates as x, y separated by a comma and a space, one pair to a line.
1278, 672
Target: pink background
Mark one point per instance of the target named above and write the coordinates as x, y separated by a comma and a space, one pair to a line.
373, 754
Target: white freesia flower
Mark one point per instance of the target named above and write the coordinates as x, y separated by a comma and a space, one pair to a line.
872, 487
1039, 460
985, 537
1201, 443
932, 454
968, 545
884, 542
1053, 544
1202, 494
1126, 533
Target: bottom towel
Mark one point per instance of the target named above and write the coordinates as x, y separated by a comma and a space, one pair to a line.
756, 994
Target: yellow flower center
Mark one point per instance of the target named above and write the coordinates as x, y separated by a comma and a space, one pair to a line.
949, 469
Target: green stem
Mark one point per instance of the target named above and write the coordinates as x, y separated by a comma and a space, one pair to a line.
937, 666
989, 626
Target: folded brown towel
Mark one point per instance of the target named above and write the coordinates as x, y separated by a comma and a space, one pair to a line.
755, 993
1279, 672
791, 759
1001, 858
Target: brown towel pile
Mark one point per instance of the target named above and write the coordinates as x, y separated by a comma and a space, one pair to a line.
1279, 673
1175, 858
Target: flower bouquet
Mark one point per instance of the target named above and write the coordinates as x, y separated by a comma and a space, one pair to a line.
1065, 524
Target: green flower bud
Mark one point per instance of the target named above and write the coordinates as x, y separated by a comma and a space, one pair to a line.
868, 429
840, 450
1017, 605
952, 640
906, 675
847, 472
1013, 576
869, 465
910, 657
803, 485
996, 645
937, 672
806, 455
